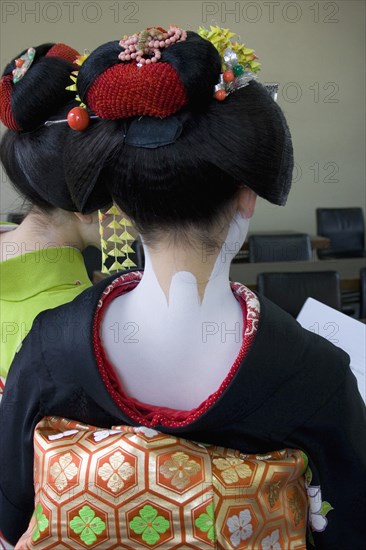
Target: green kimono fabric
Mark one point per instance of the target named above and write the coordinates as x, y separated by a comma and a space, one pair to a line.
33, 282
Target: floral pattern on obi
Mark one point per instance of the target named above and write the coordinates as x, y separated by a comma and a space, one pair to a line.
137, 488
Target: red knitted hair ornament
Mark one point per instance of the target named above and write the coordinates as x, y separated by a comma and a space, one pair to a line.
6, 84
126, 90
63, 51
6, 89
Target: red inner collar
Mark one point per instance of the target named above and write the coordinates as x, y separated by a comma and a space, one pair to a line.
150, 415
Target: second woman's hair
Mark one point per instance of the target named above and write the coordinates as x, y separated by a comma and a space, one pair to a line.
32, 153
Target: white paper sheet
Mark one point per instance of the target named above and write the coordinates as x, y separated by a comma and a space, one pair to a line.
340, 329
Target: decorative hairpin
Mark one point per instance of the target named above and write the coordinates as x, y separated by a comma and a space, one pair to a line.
145, 47
78, 118
22, 64
115, 245
239, 63
272, 89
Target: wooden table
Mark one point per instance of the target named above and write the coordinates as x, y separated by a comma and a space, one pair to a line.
348, 269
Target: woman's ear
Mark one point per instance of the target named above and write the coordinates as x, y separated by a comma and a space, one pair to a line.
87, 218
246, 202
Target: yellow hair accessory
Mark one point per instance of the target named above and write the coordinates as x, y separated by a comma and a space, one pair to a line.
239, 63
221, 39
114, 239
74, 76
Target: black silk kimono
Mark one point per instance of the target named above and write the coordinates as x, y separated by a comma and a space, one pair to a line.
292, 388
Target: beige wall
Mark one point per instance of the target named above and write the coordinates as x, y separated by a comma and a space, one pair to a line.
316, 50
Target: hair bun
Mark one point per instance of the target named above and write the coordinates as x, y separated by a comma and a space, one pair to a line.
41, 91
185, 75
198, 64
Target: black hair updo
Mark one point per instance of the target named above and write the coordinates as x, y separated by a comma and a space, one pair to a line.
32, 154
243, 140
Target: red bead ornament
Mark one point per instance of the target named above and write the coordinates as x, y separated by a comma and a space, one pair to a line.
220, 95
78, 119
228, 76
19, 62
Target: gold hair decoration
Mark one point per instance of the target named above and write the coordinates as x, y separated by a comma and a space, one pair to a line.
115, 238
222, 40
74, 76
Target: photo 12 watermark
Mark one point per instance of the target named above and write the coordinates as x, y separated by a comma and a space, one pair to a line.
212, 330
10, 330
317, 172
317, 92
125, 332
227, 13
28, 12
327, 330
39, 252
72, 333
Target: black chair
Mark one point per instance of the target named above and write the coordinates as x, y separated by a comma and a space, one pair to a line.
363, 293
346, 230
291, 290
280, 248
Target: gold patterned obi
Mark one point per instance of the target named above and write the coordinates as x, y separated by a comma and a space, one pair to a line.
136, 488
